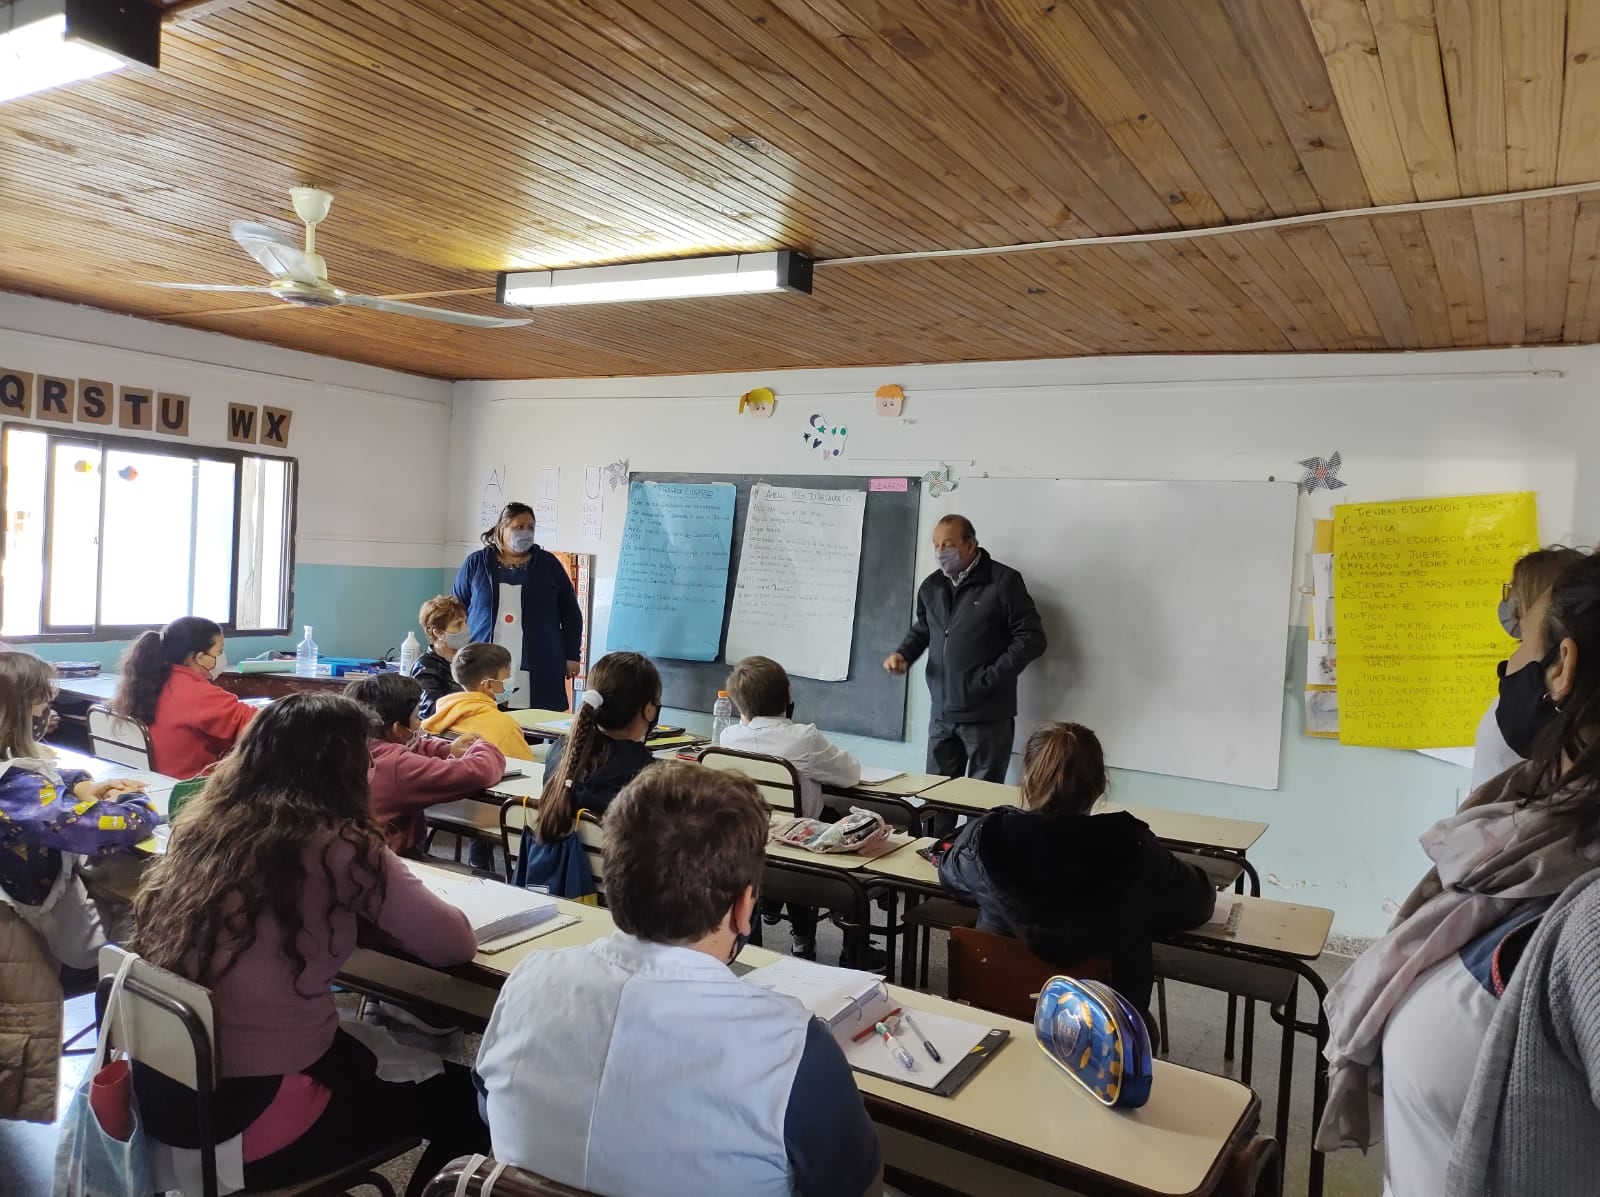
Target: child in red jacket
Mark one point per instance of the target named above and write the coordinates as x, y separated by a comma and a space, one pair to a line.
411, 771
168, 685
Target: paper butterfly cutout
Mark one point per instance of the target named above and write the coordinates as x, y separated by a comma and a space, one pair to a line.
617, 473
828, 440
1323, 474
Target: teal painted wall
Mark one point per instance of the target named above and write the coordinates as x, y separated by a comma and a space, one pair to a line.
1344, 821
356, 611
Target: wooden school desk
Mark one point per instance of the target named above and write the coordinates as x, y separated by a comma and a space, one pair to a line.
1018, 1127
101, 688
1281, 936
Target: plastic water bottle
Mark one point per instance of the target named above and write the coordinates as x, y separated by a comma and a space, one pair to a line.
721, 716
305, 656
409, 652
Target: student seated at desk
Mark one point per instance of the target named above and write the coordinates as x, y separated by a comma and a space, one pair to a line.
49, 818
444, 623
759, 687
641, 1063
481, 670
168, 685
411, 771
268, 872
604, 749
1070, 883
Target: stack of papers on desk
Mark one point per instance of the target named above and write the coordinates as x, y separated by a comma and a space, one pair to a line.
851, 1004
873, 776
501, 915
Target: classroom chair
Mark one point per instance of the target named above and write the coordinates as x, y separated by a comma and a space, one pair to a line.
115, 738
470, 1176
518, 814
776, 778
169, 1026
1256, 1171
998, 973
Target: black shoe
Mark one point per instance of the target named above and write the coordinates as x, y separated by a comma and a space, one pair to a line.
873, 960
804, 949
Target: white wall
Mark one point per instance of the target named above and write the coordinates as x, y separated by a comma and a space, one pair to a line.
356, 430
1345, 820
370, 444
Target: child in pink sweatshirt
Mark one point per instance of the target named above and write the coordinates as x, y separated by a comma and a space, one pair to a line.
410, 771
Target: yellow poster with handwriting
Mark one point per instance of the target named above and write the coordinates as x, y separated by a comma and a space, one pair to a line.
1417, 583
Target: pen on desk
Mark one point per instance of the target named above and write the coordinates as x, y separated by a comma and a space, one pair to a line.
896, 1048
926, 1042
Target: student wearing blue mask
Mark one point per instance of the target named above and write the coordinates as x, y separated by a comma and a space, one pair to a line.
519, 596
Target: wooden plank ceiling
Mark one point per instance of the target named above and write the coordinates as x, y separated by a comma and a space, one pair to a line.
466, 136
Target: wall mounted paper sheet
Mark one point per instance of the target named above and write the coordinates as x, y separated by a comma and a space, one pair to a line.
1418, 582
795, 598
672, 574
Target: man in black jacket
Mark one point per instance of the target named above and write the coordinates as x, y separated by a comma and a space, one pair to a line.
978, 622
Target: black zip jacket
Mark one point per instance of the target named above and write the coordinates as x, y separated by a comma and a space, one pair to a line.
978, 637
433, 671
1074, 886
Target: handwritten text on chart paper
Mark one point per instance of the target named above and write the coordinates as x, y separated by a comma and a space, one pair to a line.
795, 597
672, 572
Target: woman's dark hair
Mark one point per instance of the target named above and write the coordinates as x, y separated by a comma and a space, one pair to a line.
389, 698
298, 775
491, 538
1567, 753
148, 663
1063, 770
628, 682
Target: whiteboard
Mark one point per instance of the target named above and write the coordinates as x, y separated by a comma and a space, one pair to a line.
1167, 607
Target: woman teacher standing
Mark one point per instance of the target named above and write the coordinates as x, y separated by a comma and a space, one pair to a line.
519, 596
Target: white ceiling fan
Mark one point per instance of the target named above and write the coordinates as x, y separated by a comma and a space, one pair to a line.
300, 276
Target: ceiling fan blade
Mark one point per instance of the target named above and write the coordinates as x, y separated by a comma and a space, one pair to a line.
212, 287
276, 252
443, 315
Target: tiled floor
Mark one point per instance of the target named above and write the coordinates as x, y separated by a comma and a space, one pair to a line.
27, 1152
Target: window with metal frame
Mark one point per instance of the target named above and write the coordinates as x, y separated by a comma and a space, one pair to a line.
105, 536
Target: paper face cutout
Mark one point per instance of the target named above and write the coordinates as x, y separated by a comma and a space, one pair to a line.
758, 403
891, 400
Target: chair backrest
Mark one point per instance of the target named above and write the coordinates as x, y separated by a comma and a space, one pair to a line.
776, 778
998, 973
113, 737
593, 838
512, 1182
517, 815
165, 1021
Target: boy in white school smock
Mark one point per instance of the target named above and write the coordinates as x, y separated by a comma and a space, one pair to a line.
641, 1063
760, 689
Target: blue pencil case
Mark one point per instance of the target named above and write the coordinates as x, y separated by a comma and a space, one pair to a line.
1097, 1038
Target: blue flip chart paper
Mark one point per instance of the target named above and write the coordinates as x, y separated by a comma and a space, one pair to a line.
672, 576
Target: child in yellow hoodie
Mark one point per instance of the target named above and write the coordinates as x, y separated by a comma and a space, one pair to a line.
481, 670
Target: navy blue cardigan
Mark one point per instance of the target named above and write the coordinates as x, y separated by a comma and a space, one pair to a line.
552, 622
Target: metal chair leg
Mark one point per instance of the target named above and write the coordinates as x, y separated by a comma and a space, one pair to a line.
1161, 1016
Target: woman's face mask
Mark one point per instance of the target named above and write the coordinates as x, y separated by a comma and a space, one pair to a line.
520, 540
219, 662
457, 641
1525, 707
1510, 613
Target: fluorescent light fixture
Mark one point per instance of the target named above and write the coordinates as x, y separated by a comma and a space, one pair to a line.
46, 43
679, 278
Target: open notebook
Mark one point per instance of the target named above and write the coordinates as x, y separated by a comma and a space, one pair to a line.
851, 1004
501, 915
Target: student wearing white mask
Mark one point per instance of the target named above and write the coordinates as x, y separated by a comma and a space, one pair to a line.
519, 596
444, 623
1531, 580
483, 672
168, 683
